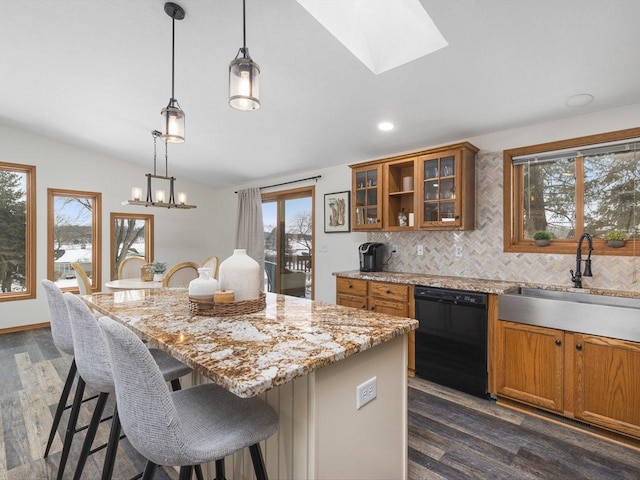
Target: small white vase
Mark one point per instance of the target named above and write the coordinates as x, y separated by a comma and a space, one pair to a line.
203, 287
240, 273
157, 277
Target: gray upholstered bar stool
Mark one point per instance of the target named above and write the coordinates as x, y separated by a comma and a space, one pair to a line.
92, 358
62, 339
185, 428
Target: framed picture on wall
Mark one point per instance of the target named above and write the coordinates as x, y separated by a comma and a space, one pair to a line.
337, 212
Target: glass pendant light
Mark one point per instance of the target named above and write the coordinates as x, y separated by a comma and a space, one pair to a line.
172, 114
244, 76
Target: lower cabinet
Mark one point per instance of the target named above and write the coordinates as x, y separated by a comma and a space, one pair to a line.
586, 377
532, 370
382, 297
607, 383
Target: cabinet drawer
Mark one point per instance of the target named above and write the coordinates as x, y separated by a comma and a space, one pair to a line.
350, 286
390, 291
399, 309
351, 301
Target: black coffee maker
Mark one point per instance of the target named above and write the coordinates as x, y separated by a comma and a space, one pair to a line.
371, 257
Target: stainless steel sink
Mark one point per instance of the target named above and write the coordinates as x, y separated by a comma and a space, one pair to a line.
576, 311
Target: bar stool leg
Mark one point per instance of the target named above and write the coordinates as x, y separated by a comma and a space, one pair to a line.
149, 470
62, 404
91, 434
185, 472
73, 420
258, 462
198, 470
112, 446
220, 470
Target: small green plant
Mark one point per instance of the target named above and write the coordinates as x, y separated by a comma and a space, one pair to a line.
615, 235
158, 267
542, 235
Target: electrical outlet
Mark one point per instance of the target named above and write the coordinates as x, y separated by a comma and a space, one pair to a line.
420, 250
366, 392
394, 248
458, 250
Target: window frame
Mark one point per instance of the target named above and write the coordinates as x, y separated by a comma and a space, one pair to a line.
512, 197
30, 231
148, 232
96, 235
280, 197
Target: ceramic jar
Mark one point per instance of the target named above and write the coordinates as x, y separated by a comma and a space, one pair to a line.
203, 287
242, 274
146, 273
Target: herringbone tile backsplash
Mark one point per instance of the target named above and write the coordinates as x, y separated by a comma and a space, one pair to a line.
482, 255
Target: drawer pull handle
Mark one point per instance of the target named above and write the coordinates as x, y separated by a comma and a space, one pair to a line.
350, 286
388, 292
373, 308
579, 346
558, 342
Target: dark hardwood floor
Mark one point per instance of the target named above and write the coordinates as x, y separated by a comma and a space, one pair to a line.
451, 435
457, 436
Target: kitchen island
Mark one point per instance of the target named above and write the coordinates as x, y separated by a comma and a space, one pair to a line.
304, 358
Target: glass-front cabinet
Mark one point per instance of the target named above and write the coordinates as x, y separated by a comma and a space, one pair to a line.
367, 199
447, 180
427, 190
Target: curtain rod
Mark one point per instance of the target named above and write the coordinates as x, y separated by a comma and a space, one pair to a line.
292, 181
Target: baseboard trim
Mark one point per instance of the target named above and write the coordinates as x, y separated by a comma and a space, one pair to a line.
22, 328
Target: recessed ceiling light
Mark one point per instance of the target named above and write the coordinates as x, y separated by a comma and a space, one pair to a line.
385, 126
579, 100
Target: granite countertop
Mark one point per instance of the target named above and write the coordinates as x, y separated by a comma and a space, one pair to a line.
457, 283
472, 284
249, 354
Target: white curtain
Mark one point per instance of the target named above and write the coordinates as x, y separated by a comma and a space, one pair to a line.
249, 228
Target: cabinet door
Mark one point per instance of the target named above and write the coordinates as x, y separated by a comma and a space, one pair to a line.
366, 210
440, 181
532, 365
607, 382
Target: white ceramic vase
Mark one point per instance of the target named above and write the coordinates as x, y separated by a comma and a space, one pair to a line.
240, 273
203, 287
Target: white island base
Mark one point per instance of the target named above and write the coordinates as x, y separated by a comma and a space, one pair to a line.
323, 436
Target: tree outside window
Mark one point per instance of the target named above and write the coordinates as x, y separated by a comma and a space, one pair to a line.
17, 225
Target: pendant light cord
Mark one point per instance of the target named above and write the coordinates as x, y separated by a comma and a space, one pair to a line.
173, 53
244, 28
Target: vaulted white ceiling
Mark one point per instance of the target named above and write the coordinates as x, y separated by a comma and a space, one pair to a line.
96, 73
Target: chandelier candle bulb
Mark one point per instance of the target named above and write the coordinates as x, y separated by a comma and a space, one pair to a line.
182, 198
160, 198
136, 194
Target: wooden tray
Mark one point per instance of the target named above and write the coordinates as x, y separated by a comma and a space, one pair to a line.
213, 309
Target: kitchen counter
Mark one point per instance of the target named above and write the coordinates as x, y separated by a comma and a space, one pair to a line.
458, 283
473, 284
304, 358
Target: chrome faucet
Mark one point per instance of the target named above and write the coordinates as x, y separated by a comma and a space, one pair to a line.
576, 277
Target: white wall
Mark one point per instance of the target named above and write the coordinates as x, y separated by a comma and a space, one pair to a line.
180, 235
341, 248
210, 229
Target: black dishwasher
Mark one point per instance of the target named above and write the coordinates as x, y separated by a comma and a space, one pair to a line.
451, 340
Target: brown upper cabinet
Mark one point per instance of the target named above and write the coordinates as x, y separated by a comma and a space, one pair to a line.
427, 190
367, 197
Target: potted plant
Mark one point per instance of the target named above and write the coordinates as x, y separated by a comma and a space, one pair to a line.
542, 238
158, 269
616, 238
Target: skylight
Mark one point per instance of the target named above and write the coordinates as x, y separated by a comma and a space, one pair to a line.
381, 34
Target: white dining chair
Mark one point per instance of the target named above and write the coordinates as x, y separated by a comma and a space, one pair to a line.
130, 267
180, 274
212, 263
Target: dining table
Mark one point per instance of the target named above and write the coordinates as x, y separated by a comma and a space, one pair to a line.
132, 284
307, 359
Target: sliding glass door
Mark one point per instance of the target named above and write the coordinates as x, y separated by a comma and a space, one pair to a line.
288, 218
